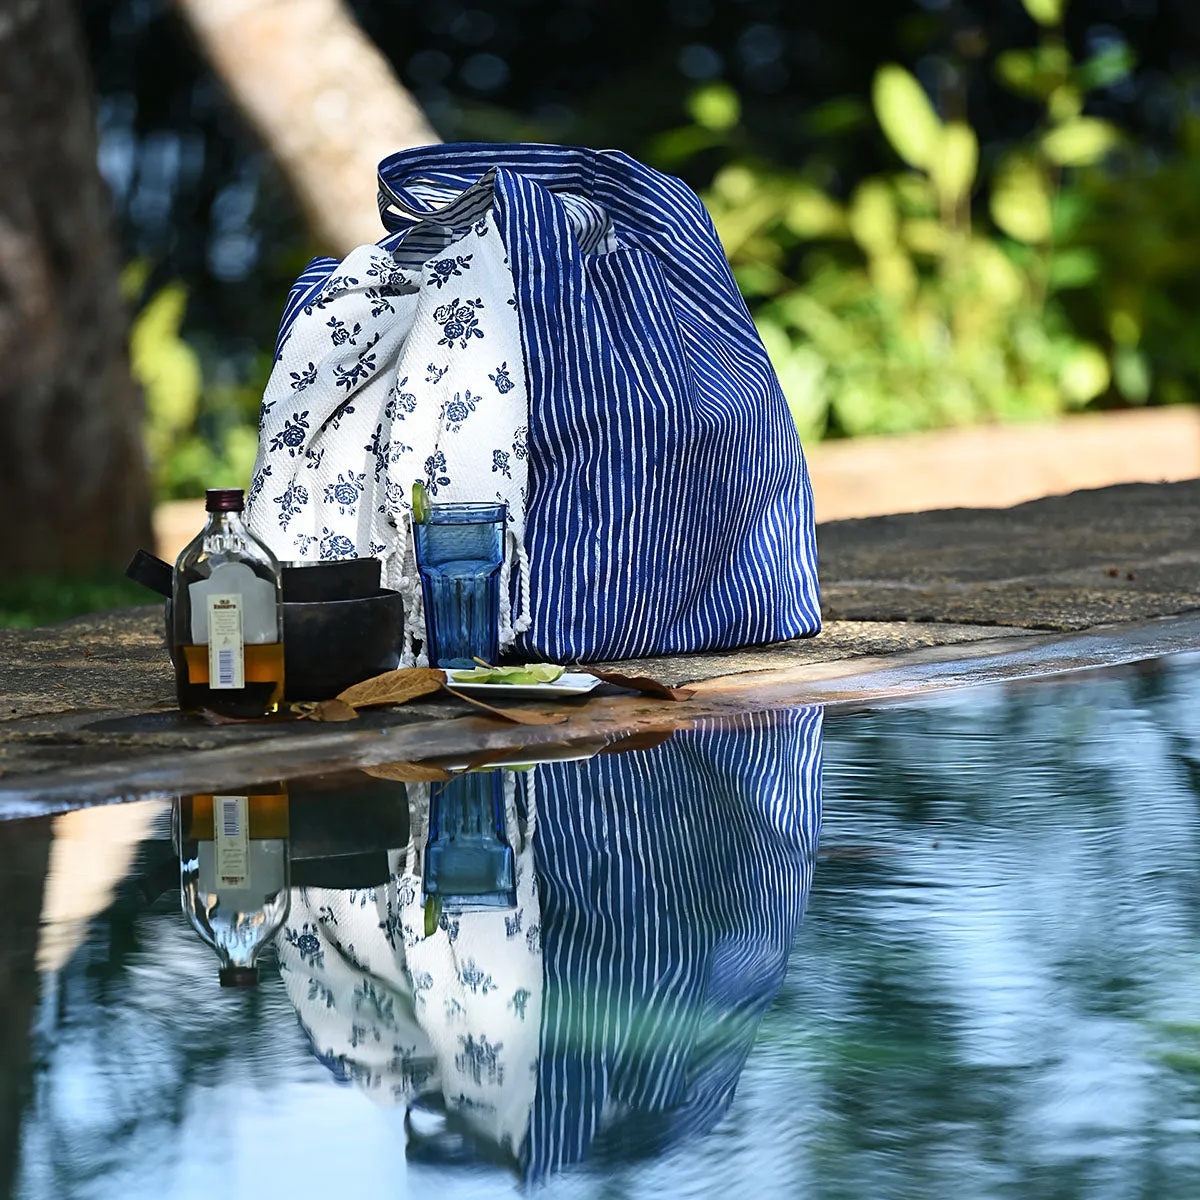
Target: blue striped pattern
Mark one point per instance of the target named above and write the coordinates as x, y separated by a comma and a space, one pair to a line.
670, 506
672, 883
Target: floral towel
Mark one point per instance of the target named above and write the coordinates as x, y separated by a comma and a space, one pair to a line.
402, 1014
405, 364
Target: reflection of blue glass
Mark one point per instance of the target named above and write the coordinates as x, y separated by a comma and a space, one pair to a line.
459, 552
468, 861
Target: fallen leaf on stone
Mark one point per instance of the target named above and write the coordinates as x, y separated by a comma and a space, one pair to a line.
332, 710
393, 687
518, 716
641, 683
408, 772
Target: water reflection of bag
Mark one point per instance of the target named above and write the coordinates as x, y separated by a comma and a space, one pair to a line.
558, 328
672, 885
609, 1014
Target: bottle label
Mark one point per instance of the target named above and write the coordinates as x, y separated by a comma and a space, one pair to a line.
231, 833
226, 650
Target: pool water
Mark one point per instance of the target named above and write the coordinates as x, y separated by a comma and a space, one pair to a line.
960, 958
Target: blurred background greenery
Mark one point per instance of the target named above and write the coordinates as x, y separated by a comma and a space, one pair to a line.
939, 212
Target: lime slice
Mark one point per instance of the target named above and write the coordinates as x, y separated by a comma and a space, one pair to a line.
420, 503
532, 673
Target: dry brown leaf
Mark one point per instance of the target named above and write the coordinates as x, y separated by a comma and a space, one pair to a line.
394, 687
332, 710
518, 716
409, 772
641, 683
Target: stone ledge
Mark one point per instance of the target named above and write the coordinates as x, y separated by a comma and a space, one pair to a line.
87, 704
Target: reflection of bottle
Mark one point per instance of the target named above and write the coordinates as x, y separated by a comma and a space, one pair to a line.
468, 859
227, 622
233, 874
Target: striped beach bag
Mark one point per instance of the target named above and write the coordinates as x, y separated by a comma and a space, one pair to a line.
556, 328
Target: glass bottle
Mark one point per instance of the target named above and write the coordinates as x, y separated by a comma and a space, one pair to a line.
234, 874
227, 620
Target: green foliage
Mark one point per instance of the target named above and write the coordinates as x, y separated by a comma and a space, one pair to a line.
198, 434
942, 294
27, 601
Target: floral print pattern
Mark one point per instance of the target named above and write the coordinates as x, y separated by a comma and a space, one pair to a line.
360, 404
459, 322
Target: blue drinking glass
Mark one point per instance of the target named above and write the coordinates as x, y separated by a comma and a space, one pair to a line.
469, 863
460, 549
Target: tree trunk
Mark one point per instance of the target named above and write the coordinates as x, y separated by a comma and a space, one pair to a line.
72, 468
321, 96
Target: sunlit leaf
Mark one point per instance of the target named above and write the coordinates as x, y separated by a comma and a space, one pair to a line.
715, 106
1046, 12
1036, 72
996, 274
812, 214
872, 217
906, 116
1080, 142
1125, 328
1073, 268
956, 161
1109, 66
1085, 374
1021, 202
167, 368
1131, 374
735, 184
839, 115
924, 237
893, 274
1065, 104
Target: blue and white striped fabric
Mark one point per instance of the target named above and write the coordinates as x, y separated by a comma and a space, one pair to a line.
635, 969
672, 883
669, 506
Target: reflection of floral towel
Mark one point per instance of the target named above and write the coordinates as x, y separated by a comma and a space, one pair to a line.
405, 363
402, 1014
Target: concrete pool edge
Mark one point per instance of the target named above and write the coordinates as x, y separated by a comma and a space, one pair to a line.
847, 683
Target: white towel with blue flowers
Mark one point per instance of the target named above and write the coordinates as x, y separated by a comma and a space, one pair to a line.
396, 370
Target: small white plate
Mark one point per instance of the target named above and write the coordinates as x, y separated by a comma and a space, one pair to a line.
570, 683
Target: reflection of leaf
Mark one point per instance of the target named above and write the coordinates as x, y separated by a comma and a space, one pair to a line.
518, 716
906, 116
394, 687
642, 683
408, 772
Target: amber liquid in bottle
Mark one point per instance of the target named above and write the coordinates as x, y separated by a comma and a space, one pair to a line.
262, 694
227, 618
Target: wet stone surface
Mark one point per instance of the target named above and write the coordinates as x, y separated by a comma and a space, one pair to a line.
1067, 562
100, 688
